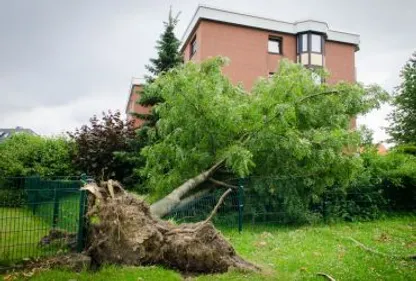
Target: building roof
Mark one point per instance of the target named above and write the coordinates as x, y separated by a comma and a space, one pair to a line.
216, 14
8, 132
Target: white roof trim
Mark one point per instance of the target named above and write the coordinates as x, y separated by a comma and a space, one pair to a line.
137, 81
205, 12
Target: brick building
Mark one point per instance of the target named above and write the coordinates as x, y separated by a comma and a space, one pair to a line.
132, 106
255, 45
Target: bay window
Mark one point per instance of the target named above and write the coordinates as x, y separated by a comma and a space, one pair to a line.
310, 47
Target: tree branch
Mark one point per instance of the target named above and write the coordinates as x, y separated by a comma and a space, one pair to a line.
362, 246
217, 182
328, 277
201, 224
214, 211
277, 115
316, 95
193, 197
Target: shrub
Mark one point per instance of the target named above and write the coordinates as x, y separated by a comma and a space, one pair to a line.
102, 148
386, 183
27, 155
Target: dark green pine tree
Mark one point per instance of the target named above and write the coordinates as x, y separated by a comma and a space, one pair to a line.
168, 56
403, 118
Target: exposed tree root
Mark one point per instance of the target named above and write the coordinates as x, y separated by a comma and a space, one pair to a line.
123, 231
362, 246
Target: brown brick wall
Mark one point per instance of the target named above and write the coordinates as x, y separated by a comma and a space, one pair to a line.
340, 62
135, 107
245, 47
187, 51
249, 58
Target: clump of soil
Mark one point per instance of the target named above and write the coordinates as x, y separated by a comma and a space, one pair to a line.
123, 231
60, 237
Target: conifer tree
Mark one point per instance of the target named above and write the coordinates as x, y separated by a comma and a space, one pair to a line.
168, 56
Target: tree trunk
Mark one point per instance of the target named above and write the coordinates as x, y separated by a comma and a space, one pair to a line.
165, 205
193, 197
125, 232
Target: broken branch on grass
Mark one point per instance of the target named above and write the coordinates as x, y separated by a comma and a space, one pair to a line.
368, 249
327, 276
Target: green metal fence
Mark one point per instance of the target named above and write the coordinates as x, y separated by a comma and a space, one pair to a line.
40, 217
257, 201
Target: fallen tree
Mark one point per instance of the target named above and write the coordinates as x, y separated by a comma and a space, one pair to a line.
123, 231
287, 125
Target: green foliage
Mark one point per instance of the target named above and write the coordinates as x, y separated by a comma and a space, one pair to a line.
408, 148
397, 178
26, 155
403, 118
385, 183
11, 197
287, 126
100, 148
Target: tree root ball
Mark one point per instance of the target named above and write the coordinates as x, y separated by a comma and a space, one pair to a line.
123, 231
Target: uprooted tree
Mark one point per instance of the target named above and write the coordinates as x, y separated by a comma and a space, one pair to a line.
287, 125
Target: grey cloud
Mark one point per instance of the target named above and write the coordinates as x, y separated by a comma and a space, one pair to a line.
73, 59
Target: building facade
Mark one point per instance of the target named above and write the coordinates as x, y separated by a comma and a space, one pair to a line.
255, 45
132, 105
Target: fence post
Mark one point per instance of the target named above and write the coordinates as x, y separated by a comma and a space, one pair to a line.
240, 205
32, 185
324, 207
55, 216
81, 221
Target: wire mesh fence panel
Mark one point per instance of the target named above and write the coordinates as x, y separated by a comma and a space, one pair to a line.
39, 217
200, 209
287, 201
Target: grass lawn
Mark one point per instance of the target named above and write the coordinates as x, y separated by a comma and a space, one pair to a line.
21, 230
296, 254
20, 233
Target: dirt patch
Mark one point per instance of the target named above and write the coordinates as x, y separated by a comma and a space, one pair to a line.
73, 262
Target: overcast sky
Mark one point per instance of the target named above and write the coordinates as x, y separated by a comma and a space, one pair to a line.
63, 61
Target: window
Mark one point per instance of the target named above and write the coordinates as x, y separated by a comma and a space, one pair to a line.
275, 45
193, 47
304, 43
316, 43
310, 48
